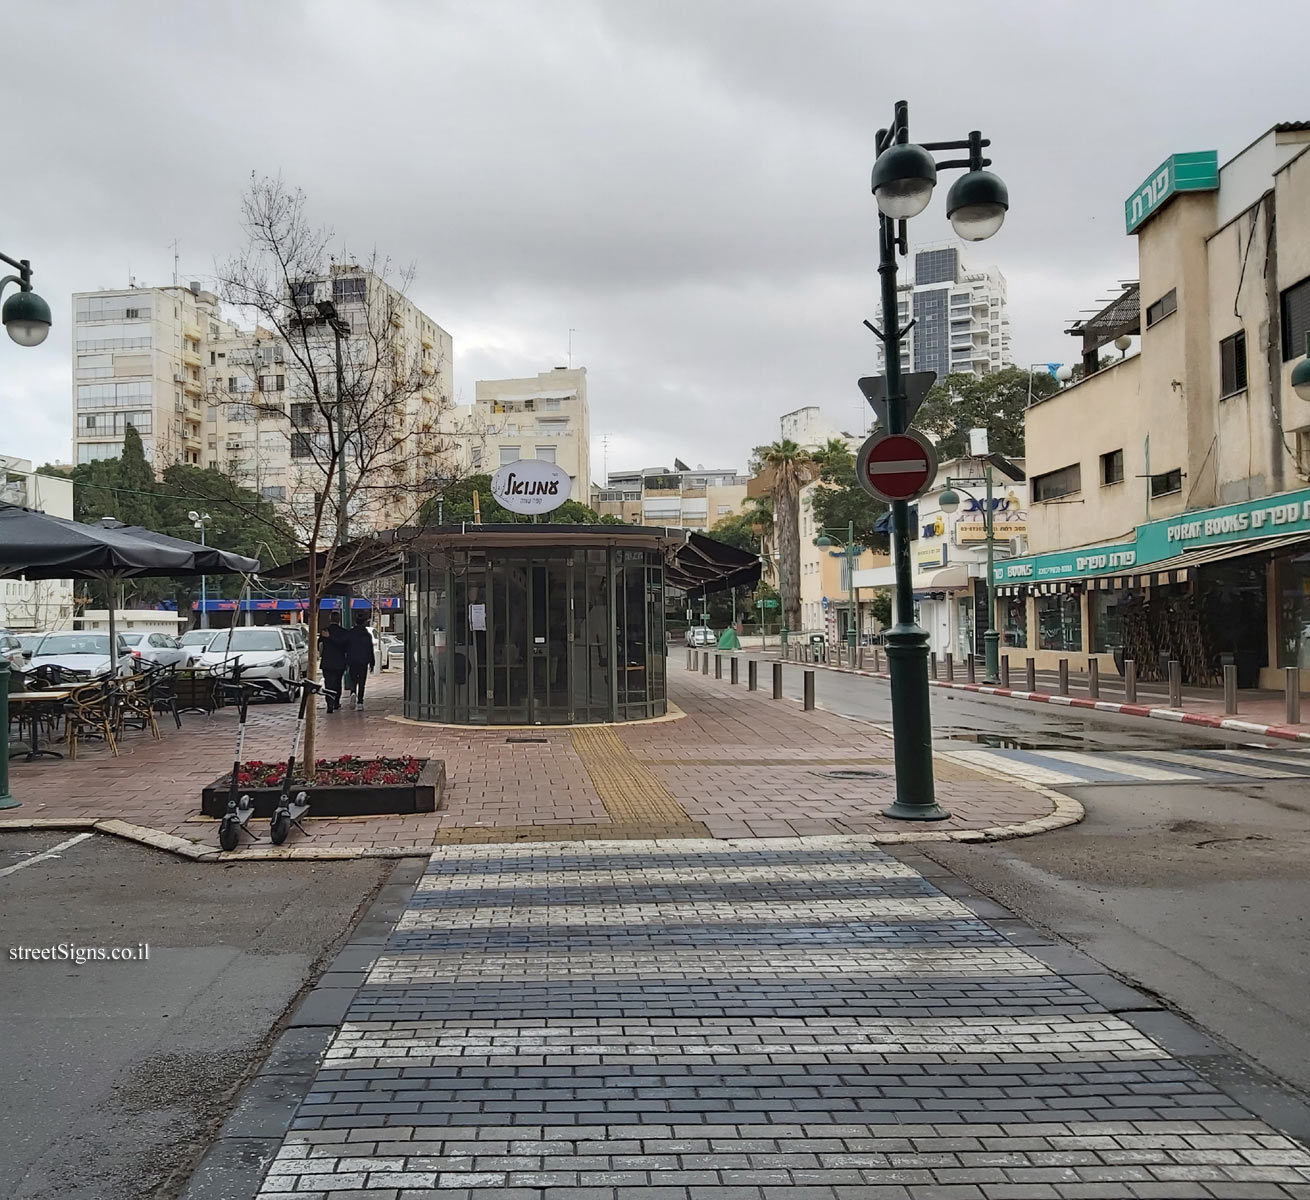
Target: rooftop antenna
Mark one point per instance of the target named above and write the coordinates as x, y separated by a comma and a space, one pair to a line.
173, 243
572, 331
605, 456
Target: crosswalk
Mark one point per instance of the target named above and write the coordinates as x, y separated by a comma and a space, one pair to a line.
1054, 768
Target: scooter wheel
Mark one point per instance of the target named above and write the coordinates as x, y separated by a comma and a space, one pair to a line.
280, 827
228, 833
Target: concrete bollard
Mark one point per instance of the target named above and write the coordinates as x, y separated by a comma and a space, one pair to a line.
1292, 690
971, 669
950, 667
1175, 683
809, 691
1005, 670
1064, 677
1230, 690
1130, 681
752, 676
688, 659
1093, 679
1031, 673
777, 681
718, 666
733, 676
705, 663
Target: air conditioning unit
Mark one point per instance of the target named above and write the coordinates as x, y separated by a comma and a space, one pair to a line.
178, 377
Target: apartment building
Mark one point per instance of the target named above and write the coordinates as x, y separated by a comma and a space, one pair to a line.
543, 416
681, 498
1170, 510
961, 318
144, 357
45, 603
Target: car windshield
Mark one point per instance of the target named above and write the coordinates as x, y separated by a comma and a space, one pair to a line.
132, 639
30, 641
198, 637
247, 639
75, 643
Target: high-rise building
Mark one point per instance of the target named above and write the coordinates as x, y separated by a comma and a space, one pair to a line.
42, 604
961, 320
544, 417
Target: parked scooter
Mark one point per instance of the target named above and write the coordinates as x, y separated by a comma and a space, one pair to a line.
289, 811
237, 817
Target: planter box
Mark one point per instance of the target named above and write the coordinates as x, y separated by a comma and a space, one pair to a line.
343, 800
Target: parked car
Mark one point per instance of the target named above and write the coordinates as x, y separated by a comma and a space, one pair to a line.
30, 641
11, 649
159, 648
701, 635
85, 653
196, 642
299, 635
381, 650
395, 646
266, 652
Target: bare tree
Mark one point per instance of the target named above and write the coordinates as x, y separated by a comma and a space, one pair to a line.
335, 342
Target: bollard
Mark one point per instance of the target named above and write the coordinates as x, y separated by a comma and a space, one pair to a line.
689, 659
1230, 689
950, 667
1093, 679
971, 669
733, 675
705, 663
932, 663
877, 660
1175, 683
1064, 677
752, 676
1292, 687
1031, 671
718, 666
695, 660
809, 691
777, 681
1005, 670
1130, 681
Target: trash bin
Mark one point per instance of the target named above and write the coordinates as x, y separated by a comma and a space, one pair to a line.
818, 647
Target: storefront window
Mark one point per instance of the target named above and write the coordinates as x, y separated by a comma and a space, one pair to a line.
1012, 620
1107, 617
1059, 622
1292, 582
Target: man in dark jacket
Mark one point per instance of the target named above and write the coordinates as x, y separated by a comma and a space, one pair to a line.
332, 658
359, 656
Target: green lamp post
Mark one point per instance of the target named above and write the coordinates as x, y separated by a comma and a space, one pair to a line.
26, 319
825, 540
904, 175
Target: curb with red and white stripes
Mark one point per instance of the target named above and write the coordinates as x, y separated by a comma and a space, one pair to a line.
1288, 733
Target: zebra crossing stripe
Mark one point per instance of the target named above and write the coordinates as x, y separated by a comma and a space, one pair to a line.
1113, 766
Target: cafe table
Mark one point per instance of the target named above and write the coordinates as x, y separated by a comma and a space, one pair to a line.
31, 702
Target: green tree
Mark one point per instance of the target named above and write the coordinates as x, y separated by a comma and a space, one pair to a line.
994, 402
839, 500
880, 607
784, 469
737, 530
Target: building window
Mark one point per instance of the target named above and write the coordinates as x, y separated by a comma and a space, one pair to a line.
273, 493
302, 445
1232, 363
302, 293
304, 416
354, 288
1107, 619
508, 454
1065, 482
1168, 303
1059, 622
477, 456
1296, 319
546, 453
1112, 467
1012, 618
1166, 483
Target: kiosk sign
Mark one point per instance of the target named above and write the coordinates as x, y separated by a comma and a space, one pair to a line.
531, 486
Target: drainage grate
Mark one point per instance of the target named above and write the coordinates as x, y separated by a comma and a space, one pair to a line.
853, 773
526, 739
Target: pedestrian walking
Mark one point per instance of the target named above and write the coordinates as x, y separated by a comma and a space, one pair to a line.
332, 658
359, 656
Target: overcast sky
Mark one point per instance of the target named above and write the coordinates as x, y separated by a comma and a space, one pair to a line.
685, 184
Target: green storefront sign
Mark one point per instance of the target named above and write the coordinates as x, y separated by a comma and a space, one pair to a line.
1195, 172
1160, 541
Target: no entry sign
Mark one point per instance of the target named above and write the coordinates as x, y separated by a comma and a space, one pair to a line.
896, 466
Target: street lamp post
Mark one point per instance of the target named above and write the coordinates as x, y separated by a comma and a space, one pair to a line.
904, 175
949, 502
825, 540
201, 522
26, 319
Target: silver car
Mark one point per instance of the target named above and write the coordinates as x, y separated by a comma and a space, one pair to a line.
85, 653
158, 648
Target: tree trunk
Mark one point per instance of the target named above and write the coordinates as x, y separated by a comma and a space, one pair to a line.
309, 754
786, 518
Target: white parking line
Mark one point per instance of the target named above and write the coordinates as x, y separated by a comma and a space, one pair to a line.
53, 852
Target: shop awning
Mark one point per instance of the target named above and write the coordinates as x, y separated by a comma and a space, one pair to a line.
1182, 567
702, 565
948, 579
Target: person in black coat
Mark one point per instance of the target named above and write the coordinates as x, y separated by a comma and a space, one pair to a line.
332, 658
359, 656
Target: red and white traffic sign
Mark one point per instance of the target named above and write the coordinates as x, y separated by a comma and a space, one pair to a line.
896, 466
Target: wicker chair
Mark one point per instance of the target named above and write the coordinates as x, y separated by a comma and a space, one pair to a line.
91, 710
135, 704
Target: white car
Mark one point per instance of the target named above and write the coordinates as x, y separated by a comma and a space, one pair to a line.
11, 650
299, 635
196, 641
381, 649
160, 649
701, 635
266, 653
85, 653
395, 647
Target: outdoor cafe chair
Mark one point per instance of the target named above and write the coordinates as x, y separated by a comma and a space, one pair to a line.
135, 704
91, 710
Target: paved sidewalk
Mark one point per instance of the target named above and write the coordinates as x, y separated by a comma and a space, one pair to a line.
736, 764
779, 1021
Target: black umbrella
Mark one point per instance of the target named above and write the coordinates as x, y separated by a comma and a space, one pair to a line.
209, 560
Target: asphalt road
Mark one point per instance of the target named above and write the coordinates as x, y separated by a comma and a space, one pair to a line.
114, 1076
1196, 887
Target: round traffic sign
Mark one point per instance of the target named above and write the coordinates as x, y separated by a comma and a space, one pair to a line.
896, 466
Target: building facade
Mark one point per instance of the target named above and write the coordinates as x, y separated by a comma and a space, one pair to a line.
961, 317
543, 416
828, 605
1170, 514
45, 604
681, 498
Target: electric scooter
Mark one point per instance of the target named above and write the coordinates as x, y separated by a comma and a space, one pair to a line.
239, 812
289, 811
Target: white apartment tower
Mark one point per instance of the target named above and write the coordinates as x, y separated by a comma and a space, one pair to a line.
961, 319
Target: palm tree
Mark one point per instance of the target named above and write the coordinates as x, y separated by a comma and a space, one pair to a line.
784, 468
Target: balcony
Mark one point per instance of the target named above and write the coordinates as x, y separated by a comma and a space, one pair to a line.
194, 332
194, 386
191, 357
427, 341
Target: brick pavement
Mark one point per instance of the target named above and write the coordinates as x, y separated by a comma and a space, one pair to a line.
706, 1020
737, 764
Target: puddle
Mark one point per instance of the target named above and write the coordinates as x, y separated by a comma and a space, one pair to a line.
1000, 741
1069, 741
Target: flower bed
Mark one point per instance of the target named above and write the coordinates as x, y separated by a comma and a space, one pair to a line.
345, 786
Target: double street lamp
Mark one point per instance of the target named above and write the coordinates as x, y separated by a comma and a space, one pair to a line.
201, 522
826, 539
904, 175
